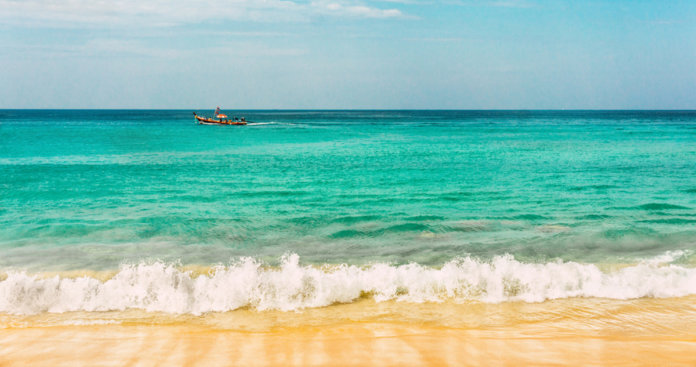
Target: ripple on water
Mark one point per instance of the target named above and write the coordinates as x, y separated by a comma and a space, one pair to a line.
660, 206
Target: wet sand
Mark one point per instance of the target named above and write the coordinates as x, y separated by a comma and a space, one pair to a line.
569, 332
364, 344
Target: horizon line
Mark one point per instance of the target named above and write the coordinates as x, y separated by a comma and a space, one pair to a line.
358, 109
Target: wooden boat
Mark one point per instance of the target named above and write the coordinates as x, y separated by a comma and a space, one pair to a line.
218, 121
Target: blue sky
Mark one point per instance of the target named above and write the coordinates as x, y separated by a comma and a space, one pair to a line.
246, 54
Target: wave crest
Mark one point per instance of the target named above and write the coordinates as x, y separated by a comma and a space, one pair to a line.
161, 287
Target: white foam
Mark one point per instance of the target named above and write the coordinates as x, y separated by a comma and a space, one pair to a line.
248, 283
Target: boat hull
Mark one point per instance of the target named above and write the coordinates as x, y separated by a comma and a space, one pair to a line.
209, 121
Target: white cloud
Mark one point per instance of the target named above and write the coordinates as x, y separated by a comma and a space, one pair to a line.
168, 12
494, 3
155, 12
137, 49
335, 8
410, 2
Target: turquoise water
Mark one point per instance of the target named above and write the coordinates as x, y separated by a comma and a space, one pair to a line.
98, 189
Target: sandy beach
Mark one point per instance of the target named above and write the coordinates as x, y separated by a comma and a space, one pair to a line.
361, 344
568, 332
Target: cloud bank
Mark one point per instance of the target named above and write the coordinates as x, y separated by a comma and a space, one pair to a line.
173, 12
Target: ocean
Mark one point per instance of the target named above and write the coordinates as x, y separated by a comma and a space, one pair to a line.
113, 215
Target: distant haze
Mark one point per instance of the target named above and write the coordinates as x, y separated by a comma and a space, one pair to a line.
400, 54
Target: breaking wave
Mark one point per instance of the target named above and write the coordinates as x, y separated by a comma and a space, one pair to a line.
161, 287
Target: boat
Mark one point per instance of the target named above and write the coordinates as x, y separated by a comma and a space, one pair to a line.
219, 120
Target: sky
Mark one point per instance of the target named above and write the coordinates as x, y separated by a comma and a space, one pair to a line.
348, 54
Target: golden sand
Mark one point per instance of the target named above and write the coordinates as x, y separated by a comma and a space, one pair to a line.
565, 332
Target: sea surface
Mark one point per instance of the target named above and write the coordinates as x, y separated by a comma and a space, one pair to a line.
139, 210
